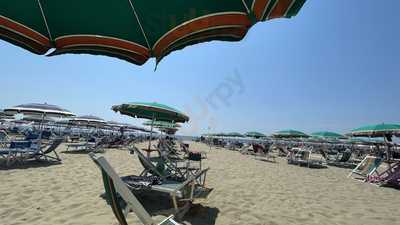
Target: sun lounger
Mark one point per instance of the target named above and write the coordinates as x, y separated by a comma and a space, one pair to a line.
263, 153
158, 167
366, 167
245, 150
185, 149
305, 157
118, 194
188, 165
183, 188
342, 160
97, 146
50, 149
389, 177
18, 151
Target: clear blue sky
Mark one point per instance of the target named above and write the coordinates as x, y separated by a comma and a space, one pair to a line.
335, 67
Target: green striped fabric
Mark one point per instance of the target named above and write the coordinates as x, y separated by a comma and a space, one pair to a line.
132, 30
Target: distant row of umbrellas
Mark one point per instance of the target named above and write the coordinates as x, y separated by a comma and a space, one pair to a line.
37, 112
386, 131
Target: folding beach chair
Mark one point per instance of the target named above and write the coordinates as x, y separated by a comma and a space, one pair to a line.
343, 160
4, 139
50, 149
180, 188
18, 151
366, 167
245, 149
185, 149
121, 199
263, 153
389, 177
158, 167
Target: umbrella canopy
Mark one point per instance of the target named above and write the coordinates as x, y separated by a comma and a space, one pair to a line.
162, 124
132, 30
378, 130
88, 120
289, 134
39, 119
235, 134
254, 134
327, 135
39, 110
4, 116
151, 110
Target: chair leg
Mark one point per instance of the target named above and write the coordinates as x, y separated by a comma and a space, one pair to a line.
58, 157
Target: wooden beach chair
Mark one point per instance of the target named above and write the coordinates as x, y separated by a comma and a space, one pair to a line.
366, 167
121, 199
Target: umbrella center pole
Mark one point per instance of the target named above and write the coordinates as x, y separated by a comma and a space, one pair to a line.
151, 136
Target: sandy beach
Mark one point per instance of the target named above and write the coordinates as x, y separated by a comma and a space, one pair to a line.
246, 191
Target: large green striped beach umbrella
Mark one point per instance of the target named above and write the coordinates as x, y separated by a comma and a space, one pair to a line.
289, 134
378, 130
327, 135
151, 110
254, 134
133, 30
387, 131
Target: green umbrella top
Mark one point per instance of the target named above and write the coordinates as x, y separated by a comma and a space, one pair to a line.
327, 135
152, 111
254, 134
378, 130
133, 30
235, 134
289, 134
363, 140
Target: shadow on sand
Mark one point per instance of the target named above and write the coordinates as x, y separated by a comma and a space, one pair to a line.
79, 152
160, 204
201, 215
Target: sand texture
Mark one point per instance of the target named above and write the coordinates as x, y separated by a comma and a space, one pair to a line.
246, 191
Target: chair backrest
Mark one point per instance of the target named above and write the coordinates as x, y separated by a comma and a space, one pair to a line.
368, 165
54, 145
46, 134
346, 155
113, 185
4, 136
148, 165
